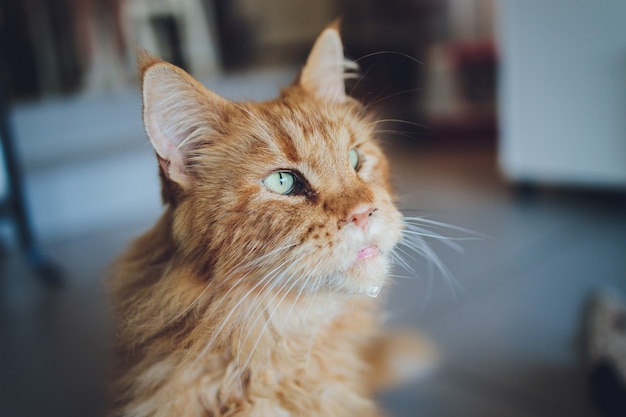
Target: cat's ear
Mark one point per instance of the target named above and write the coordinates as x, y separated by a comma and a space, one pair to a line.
323, 74
177, 110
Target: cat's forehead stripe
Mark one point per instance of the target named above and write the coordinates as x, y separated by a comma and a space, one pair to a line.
288, 147
323, 128
286, 129
306, 131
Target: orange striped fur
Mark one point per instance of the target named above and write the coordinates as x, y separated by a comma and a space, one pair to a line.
242, 301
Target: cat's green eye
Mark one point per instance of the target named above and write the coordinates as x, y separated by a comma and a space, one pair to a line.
281, 182
354, 158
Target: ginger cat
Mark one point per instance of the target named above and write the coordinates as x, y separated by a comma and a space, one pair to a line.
255, 293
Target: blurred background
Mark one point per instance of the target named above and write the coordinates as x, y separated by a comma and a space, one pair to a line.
504, 117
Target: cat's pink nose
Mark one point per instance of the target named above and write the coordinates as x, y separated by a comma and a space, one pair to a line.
360, 216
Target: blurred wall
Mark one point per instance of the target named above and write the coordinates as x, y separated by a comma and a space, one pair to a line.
287, 21
563, 91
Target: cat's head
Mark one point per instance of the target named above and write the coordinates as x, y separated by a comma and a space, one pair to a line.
289, 194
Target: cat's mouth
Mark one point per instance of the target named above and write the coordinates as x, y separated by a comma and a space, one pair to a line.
368, 252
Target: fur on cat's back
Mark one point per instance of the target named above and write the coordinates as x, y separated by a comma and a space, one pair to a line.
249, 297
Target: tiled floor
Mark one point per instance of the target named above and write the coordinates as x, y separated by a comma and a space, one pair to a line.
505, 318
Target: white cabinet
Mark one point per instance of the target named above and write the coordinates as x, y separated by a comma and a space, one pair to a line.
562, 91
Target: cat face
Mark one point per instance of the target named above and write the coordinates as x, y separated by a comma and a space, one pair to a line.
290, 194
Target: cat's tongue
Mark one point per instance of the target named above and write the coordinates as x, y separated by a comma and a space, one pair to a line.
367, 252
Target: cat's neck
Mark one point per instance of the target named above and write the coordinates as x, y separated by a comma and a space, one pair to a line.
305, 314
294, 325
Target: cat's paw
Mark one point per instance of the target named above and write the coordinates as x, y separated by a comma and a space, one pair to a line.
400, 357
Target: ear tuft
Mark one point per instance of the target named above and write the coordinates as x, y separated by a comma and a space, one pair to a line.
144, 61
323, 74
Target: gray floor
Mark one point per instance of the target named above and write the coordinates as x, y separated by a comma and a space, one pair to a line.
505, 317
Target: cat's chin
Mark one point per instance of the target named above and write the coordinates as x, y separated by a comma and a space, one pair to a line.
367, 275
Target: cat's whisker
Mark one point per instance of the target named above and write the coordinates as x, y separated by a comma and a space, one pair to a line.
275, 277
400, 260
201, 295
259, 301
411, 220
415, 226
414, 239
417, 244
256, 260
303, 286
260, 283
234, 285
420, 246
360, 79
319, 283
448, 241
374, 124
380, 97
387, 97
377, 99
430, 232
296, 280
256, 307
409, 57
243, 365
396, 132
398, 276
414, 246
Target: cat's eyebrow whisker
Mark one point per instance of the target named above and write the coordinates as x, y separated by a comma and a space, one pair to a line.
387, 97
375, 123
361, 78
402, 54
395, 132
